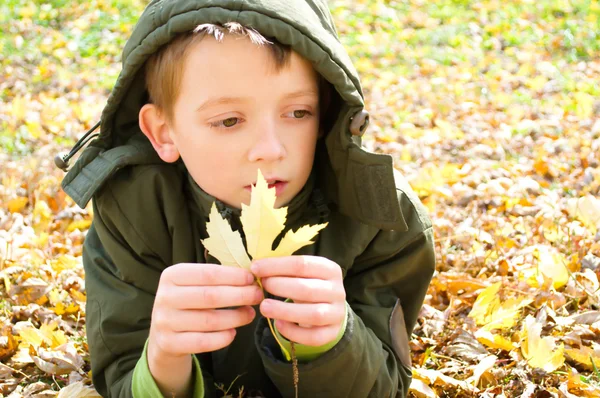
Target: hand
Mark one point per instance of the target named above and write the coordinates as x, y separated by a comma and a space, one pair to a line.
316, 286
186, 318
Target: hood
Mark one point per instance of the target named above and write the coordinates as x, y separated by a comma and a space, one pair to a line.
360, 183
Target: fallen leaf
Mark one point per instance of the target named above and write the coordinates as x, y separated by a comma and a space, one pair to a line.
586, 210
552, 265
483, 366
17, 205
490, 313
81, 225
78, 390
540, 352
421, 390
8, 344
584, 356
494, 340
62, 360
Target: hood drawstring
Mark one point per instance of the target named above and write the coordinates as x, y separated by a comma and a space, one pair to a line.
62, 160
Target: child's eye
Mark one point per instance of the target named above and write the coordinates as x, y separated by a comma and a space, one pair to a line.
226, 123
300, 113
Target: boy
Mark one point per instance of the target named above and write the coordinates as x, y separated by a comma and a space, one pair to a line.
210, 92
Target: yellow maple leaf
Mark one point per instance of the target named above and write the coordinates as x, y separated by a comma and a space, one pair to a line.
540, 352
553, 266
483, 302
42, 215
292, 241
494, 340
45, 334
80, 225
489, 312
586, 210
585, 357
17, 205
261, 221
223, 243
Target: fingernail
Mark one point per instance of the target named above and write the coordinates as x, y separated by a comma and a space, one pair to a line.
251, 312
265, 305
250, 279
254, 267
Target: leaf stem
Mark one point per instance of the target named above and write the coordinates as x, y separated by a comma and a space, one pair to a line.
285, 352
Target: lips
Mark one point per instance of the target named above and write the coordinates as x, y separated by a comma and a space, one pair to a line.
279, 185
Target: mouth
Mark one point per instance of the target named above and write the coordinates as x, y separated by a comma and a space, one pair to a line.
279, 185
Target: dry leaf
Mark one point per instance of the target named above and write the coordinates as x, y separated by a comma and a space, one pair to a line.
483, 366
584, 357
494, 340
78, 390
45, 334
63, 360
553, 265
490, 313
293, 241
421, 390
540, 352
223, 243
261, 221
81, 225
8, 344
586, 210
17, 205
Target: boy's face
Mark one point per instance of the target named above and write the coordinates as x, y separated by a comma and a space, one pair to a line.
236, 114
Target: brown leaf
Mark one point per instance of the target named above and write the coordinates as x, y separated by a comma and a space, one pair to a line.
8, 344
62, 360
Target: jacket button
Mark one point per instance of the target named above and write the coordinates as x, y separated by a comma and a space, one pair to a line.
359, 123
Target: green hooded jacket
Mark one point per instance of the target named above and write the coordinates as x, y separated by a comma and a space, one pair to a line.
149, 215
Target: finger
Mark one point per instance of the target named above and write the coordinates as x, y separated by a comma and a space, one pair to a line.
195, 342
203, 320
297, 266
196, 274
307, 290
314, 336
209, 297
307, 314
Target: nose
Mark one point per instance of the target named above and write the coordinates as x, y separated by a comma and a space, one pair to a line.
267, 145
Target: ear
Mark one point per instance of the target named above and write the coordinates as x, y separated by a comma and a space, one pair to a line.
154, 126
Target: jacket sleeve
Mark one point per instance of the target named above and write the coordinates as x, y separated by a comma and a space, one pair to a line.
385, 289
122, 274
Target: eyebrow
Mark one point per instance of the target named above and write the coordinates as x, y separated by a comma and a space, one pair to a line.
236, 100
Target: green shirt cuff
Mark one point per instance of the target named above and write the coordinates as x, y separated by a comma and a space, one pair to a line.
306, 353
144, 386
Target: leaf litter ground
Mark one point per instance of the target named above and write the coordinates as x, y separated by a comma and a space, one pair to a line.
489, 108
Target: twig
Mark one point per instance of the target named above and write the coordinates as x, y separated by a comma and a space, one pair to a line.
295, 368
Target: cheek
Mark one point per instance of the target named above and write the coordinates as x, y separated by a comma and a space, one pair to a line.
205, 153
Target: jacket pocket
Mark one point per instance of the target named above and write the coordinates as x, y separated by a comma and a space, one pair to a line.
400, 335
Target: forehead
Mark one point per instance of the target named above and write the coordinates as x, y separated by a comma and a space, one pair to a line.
236, 62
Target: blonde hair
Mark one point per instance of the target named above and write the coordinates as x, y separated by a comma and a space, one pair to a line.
164, 69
